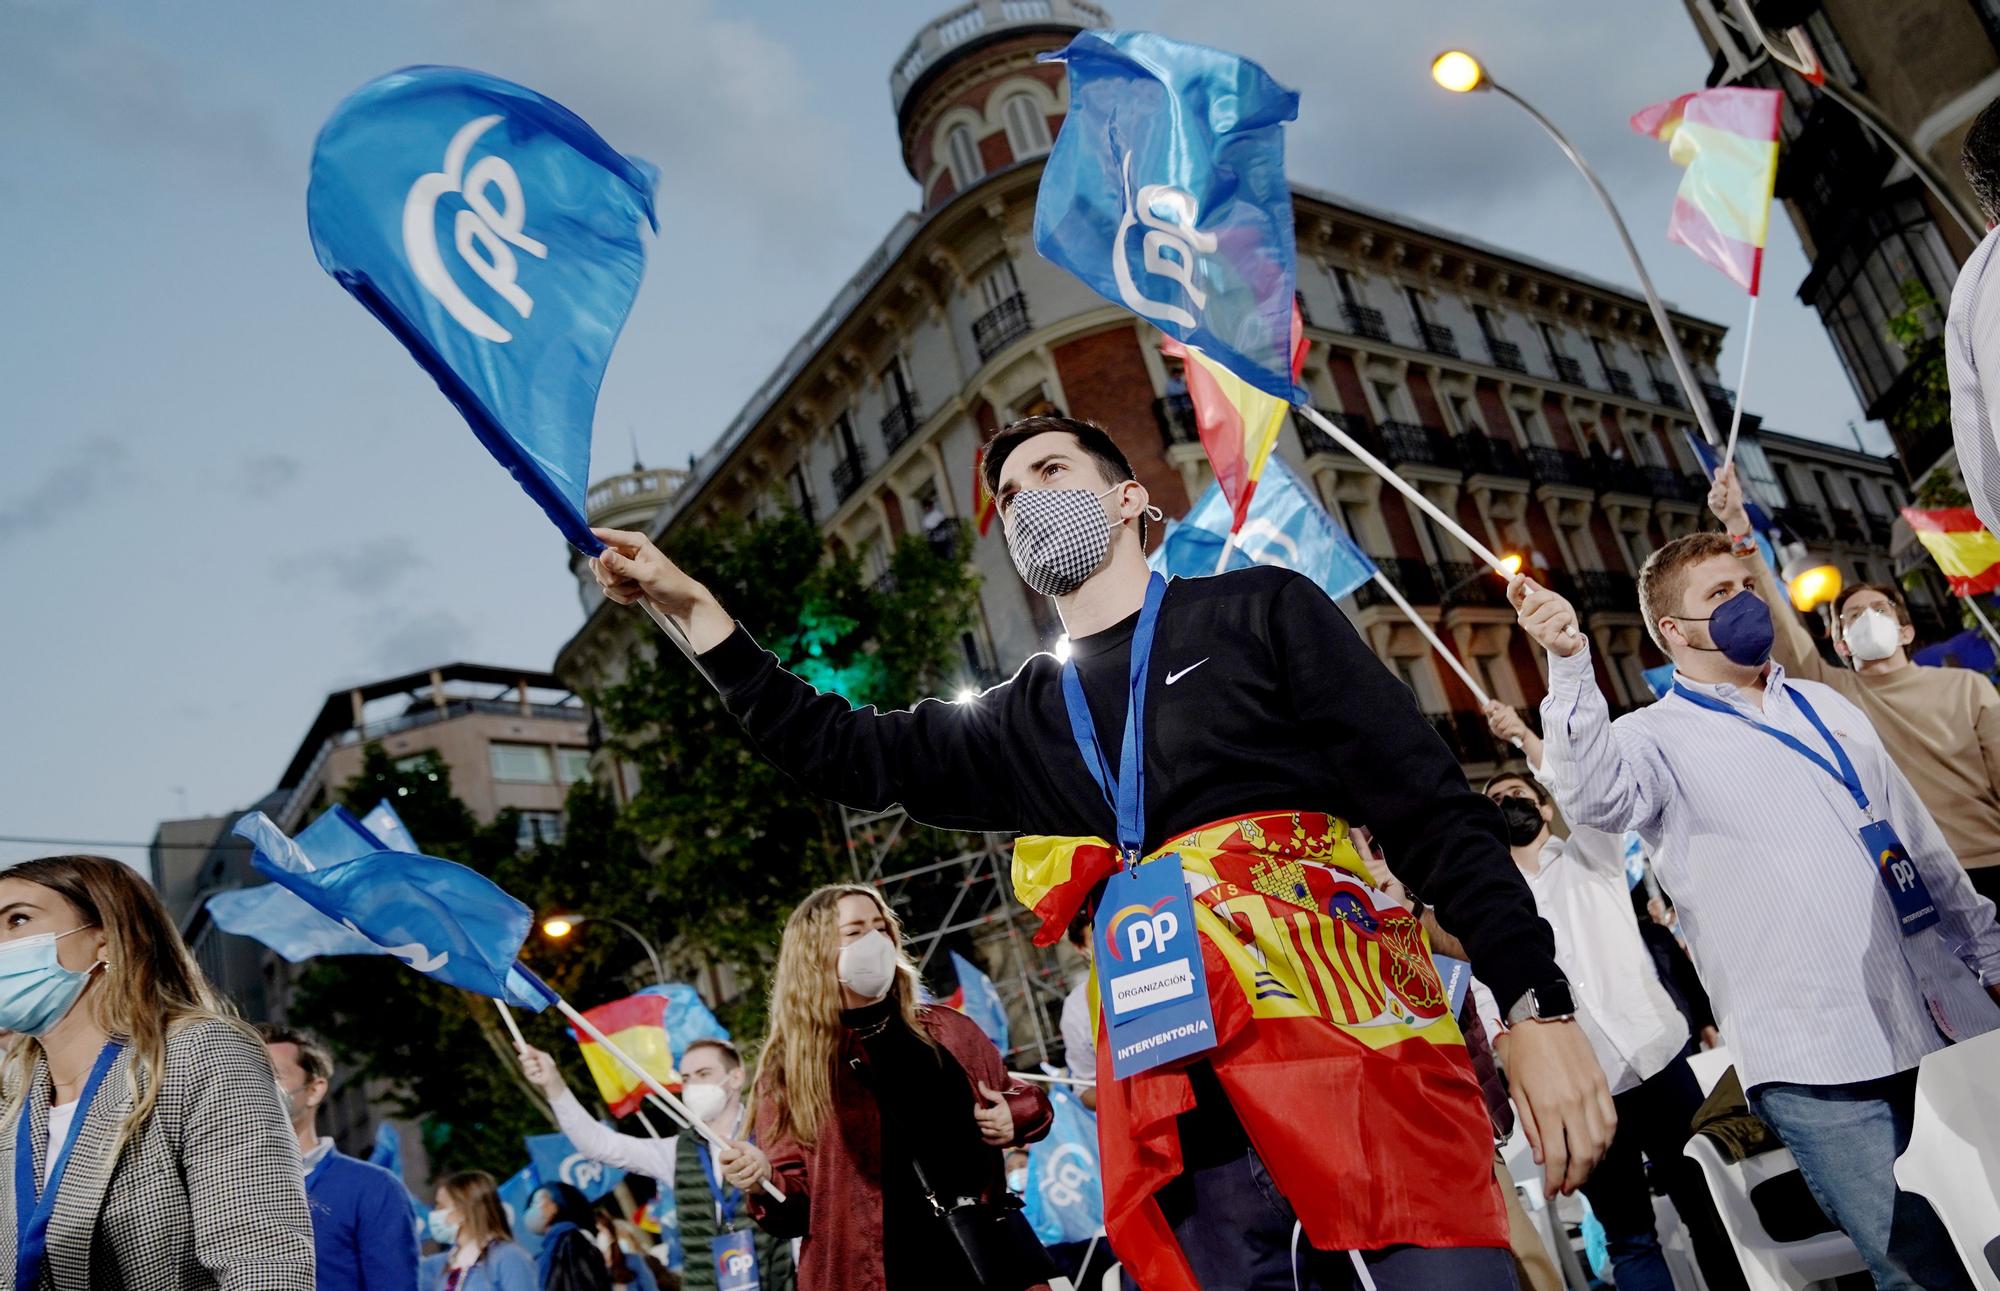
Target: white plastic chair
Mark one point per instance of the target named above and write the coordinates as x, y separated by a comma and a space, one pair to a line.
1953, 1160
1708, 1066
1768, 1265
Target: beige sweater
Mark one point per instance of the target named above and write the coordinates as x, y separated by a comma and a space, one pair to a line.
1941, 725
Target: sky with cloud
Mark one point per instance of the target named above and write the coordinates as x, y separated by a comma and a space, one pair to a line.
226, 491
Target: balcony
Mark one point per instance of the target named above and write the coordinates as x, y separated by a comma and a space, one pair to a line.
982, 20
1505, 354
1619, 381
1804, 520
1880, 529
1847, 525
1406, 443
1363, 321
1614, 475
1568, 370
1465, 583
848, 473
1666, 483
1314, 440
1668, 393
1721, 396
1604, 591
1557, 466
1411, 577
1485, 455
1175, 413
1438, 339
899, 423
1000, 326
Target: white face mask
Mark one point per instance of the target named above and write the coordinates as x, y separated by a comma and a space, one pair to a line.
705, 1101
1873, 635
868, 966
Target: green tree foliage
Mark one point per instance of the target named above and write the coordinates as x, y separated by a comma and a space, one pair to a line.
1919, 331
1940, 490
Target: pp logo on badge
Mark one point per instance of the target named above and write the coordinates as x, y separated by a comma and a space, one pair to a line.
1141, 927
738, 1263
1900, 870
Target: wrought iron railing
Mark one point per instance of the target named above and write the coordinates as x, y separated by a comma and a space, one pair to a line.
1505, 354
1437, 338
1557, 466
1404, 441
1314, 440
1364, 321
899, 423
1568, 370
1465, 583
1619, 381
848, 473
1175, 413
1803, 519
1484, 455
1601, 590
1668, 393
1001, 326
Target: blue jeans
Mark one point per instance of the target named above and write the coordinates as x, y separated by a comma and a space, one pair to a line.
1846, 1139
1236, 1230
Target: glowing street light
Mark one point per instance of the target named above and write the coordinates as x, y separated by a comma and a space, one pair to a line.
1811, 584
558, 926
1458, 72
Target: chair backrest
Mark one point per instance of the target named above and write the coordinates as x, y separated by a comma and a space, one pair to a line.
1768, 1265
1954, 1155
1708, 1066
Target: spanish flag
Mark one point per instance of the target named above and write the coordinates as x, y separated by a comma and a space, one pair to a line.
1728, 140
1238, 423
636, 1024
982, 497
1964, 549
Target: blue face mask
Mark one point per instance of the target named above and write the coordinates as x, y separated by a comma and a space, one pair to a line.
537, 1220
1741, 629
441, 1229
35, 989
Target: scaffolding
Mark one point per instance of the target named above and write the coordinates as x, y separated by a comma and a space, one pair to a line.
964, 899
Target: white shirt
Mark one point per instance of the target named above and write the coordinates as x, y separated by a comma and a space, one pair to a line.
1079, 1045
1783, 912
1972, 334
59, 1123
1580, 891
629, 1152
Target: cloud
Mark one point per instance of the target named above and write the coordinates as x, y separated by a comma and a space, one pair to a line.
269, 473
404, 641
367, 569
91, 468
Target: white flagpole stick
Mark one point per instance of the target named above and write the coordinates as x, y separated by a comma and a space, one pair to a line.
1228, 545
1417, 622
1742, 379
1984, 622
1052, 1080
671, 628
513, 1027
1408, 490
641, 1114
663, 1107
675, 1105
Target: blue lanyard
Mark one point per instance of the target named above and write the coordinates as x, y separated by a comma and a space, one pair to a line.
726, 1199
1127, 794
33, 1205
1845, 773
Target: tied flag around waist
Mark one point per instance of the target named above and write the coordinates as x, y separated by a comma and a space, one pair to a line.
496, 235
1284, 527
1166, 193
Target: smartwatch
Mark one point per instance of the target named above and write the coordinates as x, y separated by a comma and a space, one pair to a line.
1549, 1002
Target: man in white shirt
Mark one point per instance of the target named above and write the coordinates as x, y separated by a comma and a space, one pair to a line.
1837, 934
1972, 330
1641, 1040
1079, 1048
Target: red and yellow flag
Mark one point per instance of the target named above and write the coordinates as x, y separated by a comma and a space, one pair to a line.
1964, 549
1728, 140
636, 1024
982, 497
1238, 423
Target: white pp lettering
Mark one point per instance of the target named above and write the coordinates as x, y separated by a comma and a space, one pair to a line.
1171, 249
484, 235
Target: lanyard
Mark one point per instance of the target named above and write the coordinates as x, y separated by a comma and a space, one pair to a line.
726, 1199
1845, 773
1127, 794
32, 1205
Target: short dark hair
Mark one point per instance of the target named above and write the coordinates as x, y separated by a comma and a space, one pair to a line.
1095, 441
1889, 590
1527, 781
1078, 932
733, 1059
1663, 578
315, 1059
1980, 157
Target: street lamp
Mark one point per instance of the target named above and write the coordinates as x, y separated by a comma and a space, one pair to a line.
558, 926
1810, 583
1461, 73
1509, 563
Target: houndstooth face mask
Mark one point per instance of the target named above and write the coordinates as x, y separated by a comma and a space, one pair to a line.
1058, 537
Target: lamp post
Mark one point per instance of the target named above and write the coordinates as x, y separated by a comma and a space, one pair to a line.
558, 926
1461, 73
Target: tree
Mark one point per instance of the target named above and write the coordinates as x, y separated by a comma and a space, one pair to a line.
1919, 332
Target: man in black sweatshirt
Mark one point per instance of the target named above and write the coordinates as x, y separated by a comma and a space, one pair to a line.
1335, 1095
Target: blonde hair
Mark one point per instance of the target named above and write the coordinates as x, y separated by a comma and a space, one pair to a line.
795, 1070
481, 1216
150, 987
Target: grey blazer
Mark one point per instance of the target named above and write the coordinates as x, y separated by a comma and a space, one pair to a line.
209, 1194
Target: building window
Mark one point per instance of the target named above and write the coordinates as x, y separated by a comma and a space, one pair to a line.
1463, 420
799, 486
521, 763
1535, 428
573, 765
537, 827
998, 285
963, 152
1027, 128
1860, 288
1391, 400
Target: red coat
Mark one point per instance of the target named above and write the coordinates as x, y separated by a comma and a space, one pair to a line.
833, 1189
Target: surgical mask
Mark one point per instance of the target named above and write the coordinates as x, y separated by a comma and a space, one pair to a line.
868, 966
705, 1101
1874, 634
1017, 1180
35, 989
537, 1221
441, 1228
1741, 629
1524, 821
1059, 537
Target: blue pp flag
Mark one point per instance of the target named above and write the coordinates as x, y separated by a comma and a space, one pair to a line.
554, 1158
497, 236
389, 829
1285, 526
1166, 193
388, 1149
1065, 1197
687, 1019
978, 1000
275, 915
439, 917
1659, 680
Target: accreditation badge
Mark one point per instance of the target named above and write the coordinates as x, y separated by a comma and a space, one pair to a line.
1153, 991
735, 1261
1915, 911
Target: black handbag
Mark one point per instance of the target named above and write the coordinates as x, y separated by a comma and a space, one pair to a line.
996, 1237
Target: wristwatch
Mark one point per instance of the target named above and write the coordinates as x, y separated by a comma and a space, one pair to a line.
1549, 1002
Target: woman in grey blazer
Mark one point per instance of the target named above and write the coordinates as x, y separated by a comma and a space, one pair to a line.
143, 1145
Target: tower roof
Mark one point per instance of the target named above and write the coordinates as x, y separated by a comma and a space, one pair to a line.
970, 26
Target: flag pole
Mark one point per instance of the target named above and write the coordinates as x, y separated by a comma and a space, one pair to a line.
513, 1027
1408, 490
640, 1112
1054, 1080
1228, 545
1984, 622
671, 628
1742, 379
1417, 621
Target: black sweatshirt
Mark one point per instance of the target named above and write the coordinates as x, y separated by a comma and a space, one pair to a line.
1261, 697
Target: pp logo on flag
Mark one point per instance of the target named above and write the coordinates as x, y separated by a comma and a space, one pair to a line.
495, 231
1172, 248
1068, 1171
582, 1173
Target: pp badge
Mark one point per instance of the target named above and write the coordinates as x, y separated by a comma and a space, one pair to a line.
1150, 980
1915, 911
735, 1262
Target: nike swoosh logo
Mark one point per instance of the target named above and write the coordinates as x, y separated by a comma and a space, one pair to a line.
1173, 677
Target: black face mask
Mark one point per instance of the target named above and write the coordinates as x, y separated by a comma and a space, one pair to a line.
1524, 820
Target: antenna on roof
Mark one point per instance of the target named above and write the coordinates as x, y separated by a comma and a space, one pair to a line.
637, 465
